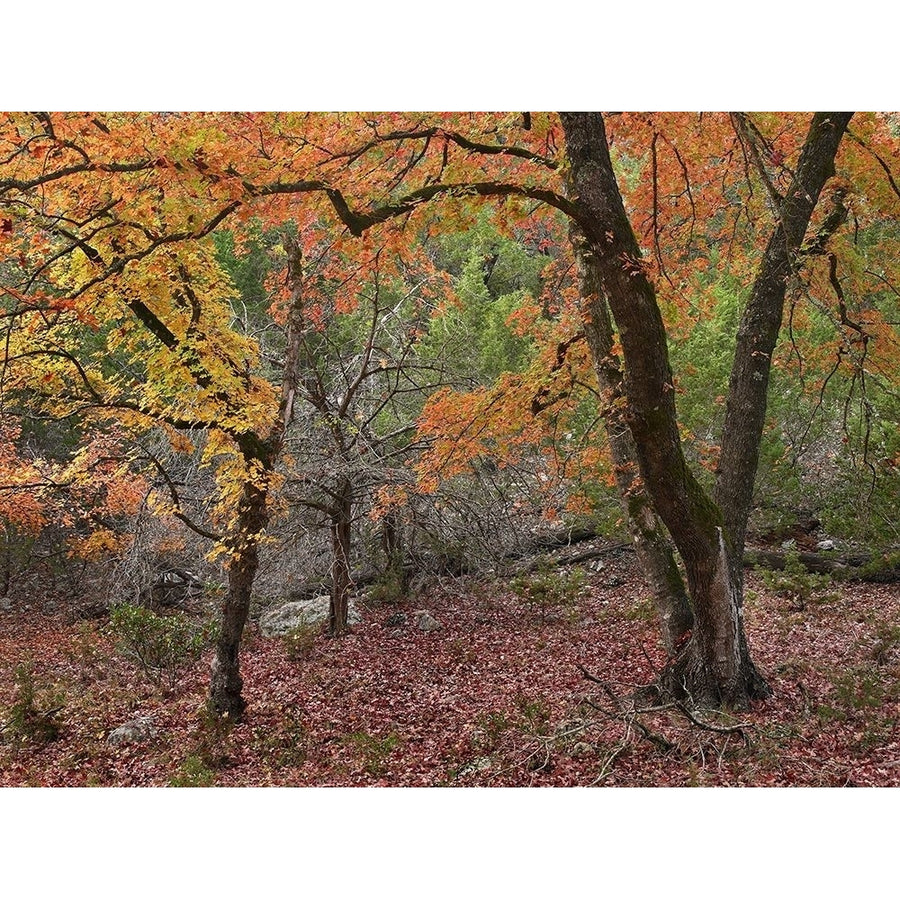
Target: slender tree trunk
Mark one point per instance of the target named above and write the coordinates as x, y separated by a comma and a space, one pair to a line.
340, 565
760, 325
7, 565
226, 682
653, 549
392, 546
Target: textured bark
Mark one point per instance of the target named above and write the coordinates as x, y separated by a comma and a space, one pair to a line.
653, 549
715, 667
226, 683
340, 564
760, 325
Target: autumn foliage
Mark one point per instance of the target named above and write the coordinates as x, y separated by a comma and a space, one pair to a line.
256, 327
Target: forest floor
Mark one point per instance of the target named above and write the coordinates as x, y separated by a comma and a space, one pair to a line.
496, 697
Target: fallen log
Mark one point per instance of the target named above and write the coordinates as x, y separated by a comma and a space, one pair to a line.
868, 567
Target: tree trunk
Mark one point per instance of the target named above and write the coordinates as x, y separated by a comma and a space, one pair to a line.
653, 549
226, 682
340, 565
715, 666
745, 411
392, 546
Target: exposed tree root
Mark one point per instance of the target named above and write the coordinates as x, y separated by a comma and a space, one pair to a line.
633, 710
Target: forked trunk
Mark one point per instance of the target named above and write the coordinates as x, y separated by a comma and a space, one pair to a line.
715, 669
340, 563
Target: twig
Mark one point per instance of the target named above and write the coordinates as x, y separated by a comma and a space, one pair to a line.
718, 729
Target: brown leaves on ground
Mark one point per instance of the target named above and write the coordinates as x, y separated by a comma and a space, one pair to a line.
496, 697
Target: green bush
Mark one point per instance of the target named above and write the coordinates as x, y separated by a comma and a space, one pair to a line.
389, 588
299, 641
548, 588
163, 646
795, 583
32, 717
193, 773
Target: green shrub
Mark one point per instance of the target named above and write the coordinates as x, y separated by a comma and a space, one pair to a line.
548, 588
32, 717
163, 646
795, 583
389, 588
193, 772
491, 727
536, 712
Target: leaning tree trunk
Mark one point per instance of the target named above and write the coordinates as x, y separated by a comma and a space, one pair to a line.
652, 547
715, 667
760, 325
341, 520
226, 683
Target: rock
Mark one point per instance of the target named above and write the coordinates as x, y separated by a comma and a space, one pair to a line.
279, 620
397, 620
136, 730
825, 545
479, 764
6, 604
174, 587
425, 621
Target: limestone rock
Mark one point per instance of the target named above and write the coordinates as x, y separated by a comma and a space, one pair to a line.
279, 620
134, 731
425, 621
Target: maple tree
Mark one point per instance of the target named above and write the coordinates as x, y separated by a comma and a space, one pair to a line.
120, 317
117, 311
714, 666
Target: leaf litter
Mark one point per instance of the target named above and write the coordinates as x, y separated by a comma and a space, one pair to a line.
496, 697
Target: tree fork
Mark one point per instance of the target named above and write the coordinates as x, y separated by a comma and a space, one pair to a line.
715, 665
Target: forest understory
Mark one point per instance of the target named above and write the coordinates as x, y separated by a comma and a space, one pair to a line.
517, 687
